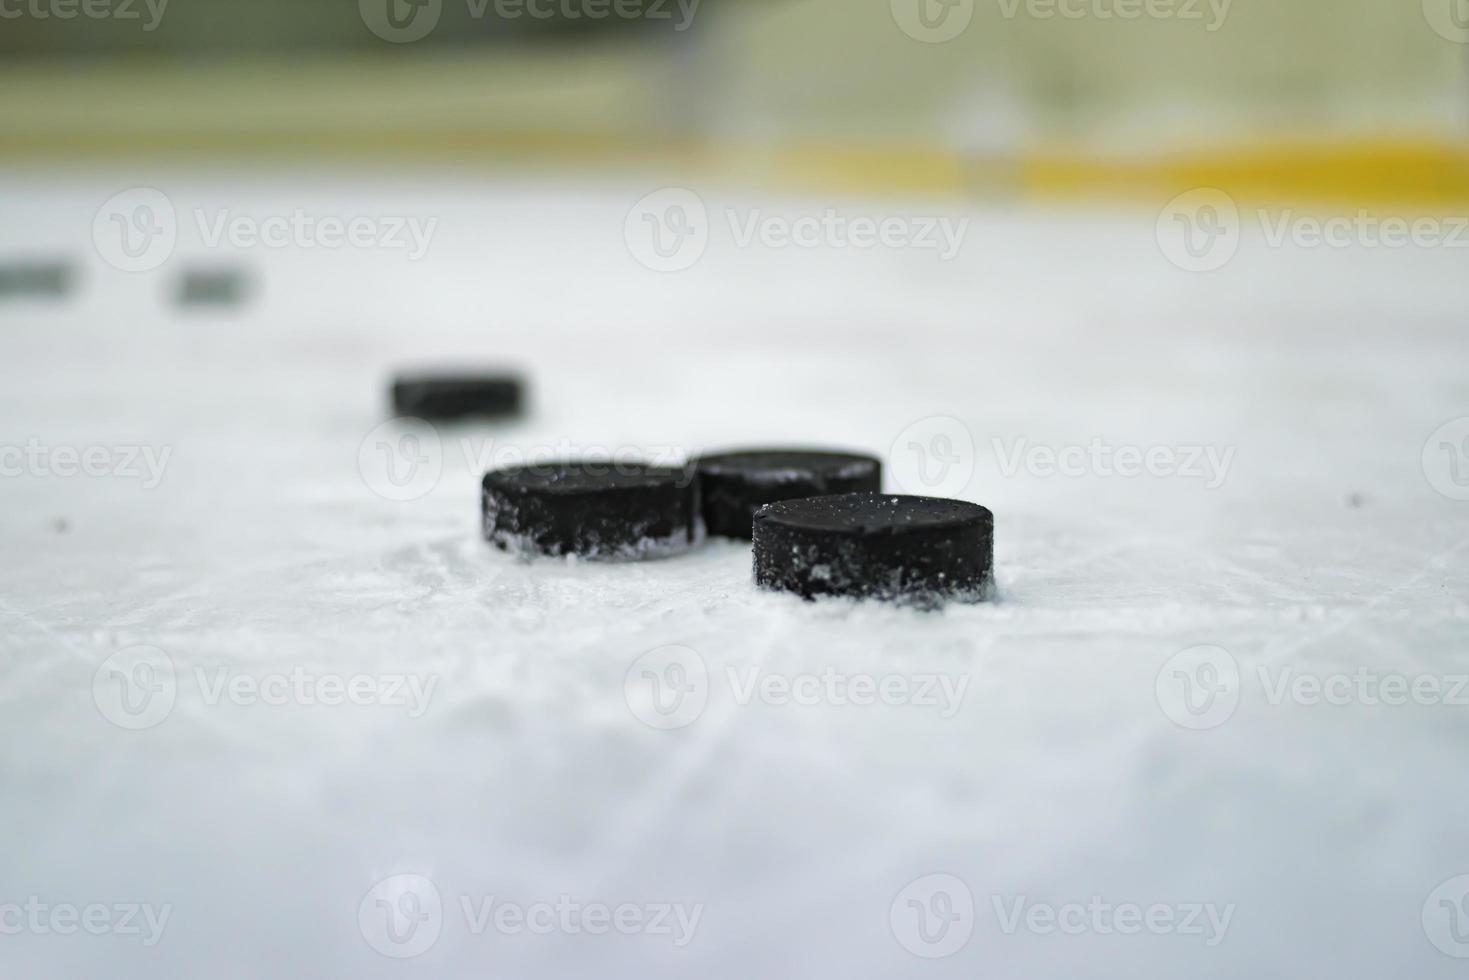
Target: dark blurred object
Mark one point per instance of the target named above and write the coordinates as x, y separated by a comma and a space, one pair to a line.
271, 27
447, 397
50, 279
212, 287
735, 485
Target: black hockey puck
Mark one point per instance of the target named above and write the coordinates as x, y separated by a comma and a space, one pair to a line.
602, 510
735, 485
36, 279
919, 550
213, 287
449, 397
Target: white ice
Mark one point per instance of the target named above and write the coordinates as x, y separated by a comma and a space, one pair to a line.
264, 553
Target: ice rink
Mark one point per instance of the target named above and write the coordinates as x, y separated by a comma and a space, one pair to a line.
273, 706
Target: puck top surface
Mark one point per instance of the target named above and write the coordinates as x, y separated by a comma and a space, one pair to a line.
737, 484
785, 464
869, 513
458, 378
578, 478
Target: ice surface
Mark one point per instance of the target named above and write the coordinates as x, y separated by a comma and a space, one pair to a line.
269, 549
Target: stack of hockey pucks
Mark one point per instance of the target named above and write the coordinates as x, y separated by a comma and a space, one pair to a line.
818, 521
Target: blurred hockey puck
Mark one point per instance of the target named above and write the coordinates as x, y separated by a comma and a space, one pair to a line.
212, 287
35, 279
734, 485
450, 397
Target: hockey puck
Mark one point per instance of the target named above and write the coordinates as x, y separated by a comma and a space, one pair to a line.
449, 397
36, 279
610, 511
213, 287
735, 485
917, 550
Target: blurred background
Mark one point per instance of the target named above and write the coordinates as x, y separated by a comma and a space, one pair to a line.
1354, 99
